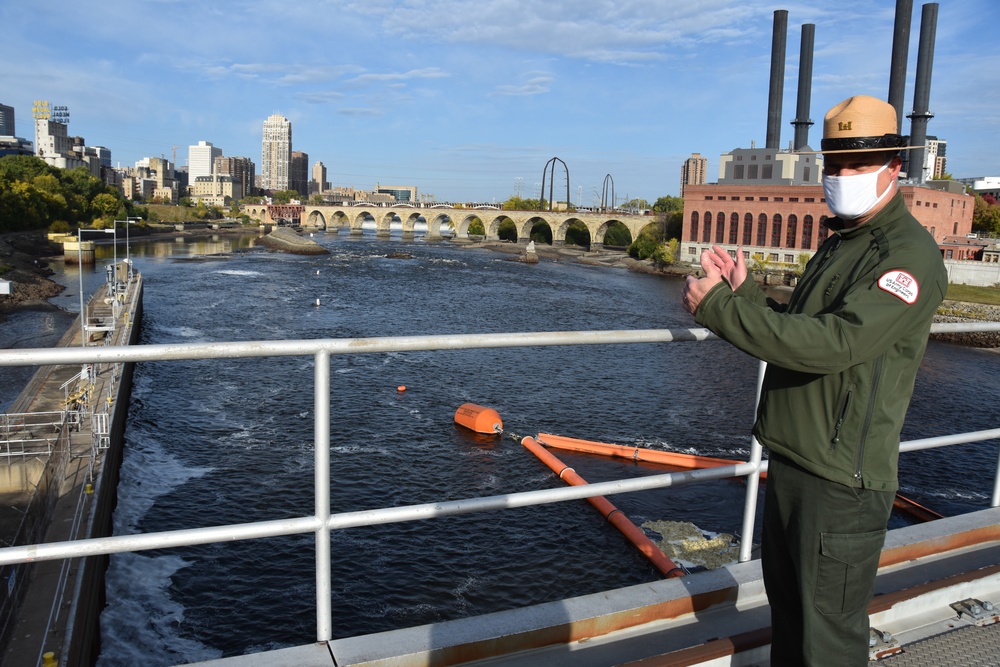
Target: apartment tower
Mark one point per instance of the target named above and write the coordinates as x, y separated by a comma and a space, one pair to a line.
276, 153
693, 171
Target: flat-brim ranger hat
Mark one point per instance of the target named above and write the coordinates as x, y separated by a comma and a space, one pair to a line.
862, 124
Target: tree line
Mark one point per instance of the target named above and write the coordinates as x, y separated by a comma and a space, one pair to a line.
36, 195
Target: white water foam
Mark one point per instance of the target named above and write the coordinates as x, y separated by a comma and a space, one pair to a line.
145, 617
238, 272
147, 621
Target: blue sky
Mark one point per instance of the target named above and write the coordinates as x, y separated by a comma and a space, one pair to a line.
467, 99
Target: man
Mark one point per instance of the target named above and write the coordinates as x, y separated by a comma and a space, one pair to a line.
842, 356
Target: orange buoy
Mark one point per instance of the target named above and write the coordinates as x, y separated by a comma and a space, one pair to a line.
478, 418
401, 387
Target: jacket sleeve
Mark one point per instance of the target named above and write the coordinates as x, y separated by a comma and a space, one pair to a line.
865, 324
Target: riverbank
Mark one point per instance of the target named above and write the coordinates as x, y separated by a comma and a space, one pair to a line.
24, 261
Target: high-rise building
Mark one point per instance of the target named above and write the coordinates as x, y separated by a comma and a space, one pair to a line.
693, 171
935, 162
201, 159
241, 169
319, 183
276, 153
6, 121
298, 173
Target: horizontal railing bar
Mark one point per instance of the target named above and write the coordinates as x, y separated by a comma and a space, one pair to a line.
339, 346
964, 327
945, 440
245, 531
166, 539
282, 527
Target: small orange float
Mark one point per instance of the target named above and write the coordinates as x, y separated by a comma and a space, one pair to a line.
479, 419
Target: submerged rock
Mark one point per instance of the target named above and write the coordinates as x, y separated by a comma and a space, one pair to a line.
285, 240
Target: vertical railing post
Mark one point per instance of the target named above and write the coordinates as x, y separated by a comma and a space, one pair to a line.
753, 481
996, 486
321, 443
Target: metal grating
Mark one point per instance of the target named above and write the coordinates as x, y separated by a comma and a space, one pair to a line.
970, 647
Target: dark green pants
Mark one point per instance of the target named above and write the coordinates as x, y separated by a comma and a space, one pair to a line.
820, 551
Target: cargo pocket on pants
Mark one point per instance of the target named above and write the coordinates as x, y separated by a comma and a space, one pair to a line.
845, 577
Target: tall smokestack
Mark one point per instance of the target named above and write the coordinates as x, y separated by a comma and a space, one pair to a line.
777, 79
900, 46
802, 120
922, 91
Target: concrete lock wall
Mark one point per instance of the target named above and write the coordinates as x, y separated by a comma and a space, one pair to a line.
983, 274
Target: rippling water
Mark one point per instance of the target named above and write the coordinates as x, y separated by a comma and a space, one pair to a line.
212, 442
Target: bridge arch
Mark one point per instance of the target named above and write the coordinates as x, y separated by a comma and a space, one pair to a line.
315, 219
560, 230
435, 220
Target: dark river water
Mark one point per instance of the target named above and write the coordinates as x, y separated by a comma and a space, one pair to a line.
214, 442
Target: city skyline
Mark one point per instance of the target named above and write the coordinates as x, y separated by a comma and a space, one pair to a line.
462, 101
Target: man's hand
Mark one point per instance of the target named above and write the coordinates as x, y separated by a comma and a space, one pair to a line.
734, 272
718, 266
695, 289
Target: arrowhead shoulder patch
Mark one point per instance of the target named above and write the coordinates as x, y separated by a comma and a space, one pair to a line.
901, 285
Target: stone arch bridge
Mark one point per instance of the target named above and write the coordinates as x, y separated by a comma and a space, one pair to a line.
351, 217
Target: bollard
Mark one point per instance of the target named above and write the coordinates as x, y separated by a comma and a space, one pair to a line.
49, 659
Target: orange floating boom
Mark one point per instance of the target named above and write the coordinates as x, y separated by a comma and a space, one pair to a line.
677, 460
614, 516
687, 461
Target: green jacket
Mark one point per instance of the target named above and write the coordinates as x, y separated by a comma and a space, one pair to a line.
843, 353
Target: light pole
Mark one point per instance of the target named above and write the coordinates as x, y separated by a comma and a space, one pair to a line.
129, 221
79, 269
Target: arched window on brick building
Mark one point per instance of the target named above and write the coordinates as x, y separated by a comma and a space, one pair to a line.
791, 231
824, 231
776, 231
748, 229
807, 233
720, 227
762, 229
693, 236
734, 228
706, 233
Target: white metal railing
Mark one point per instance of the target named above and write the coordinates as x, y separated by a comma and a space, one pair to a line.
322, 522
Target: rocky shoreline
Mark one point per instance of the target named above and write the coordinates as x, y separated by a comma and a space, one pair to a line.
24, 257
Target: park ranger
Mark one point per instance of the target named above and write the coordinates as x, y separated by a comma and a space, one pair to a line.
842, 355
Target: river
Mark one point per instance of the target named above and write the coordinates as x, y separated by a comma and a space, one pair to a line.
212, 442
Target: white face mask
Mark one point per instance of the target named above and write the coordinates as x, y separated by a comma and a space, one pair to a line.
850, 197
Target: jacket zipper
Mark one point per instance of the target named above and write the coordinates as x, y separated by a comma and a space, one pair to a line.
840, 420
863, 438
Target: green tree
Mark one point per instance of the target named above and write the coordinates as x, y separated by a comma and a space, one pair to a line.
617, 235
284, 196
578, 234
105, 205
476, 227
507, 231
986, 216
521, 204
668, 204
541, 233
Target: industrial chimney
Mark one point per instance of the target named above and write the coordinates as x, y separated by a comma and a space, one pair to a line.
802, 120
897, 70
922, 92
776, 89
